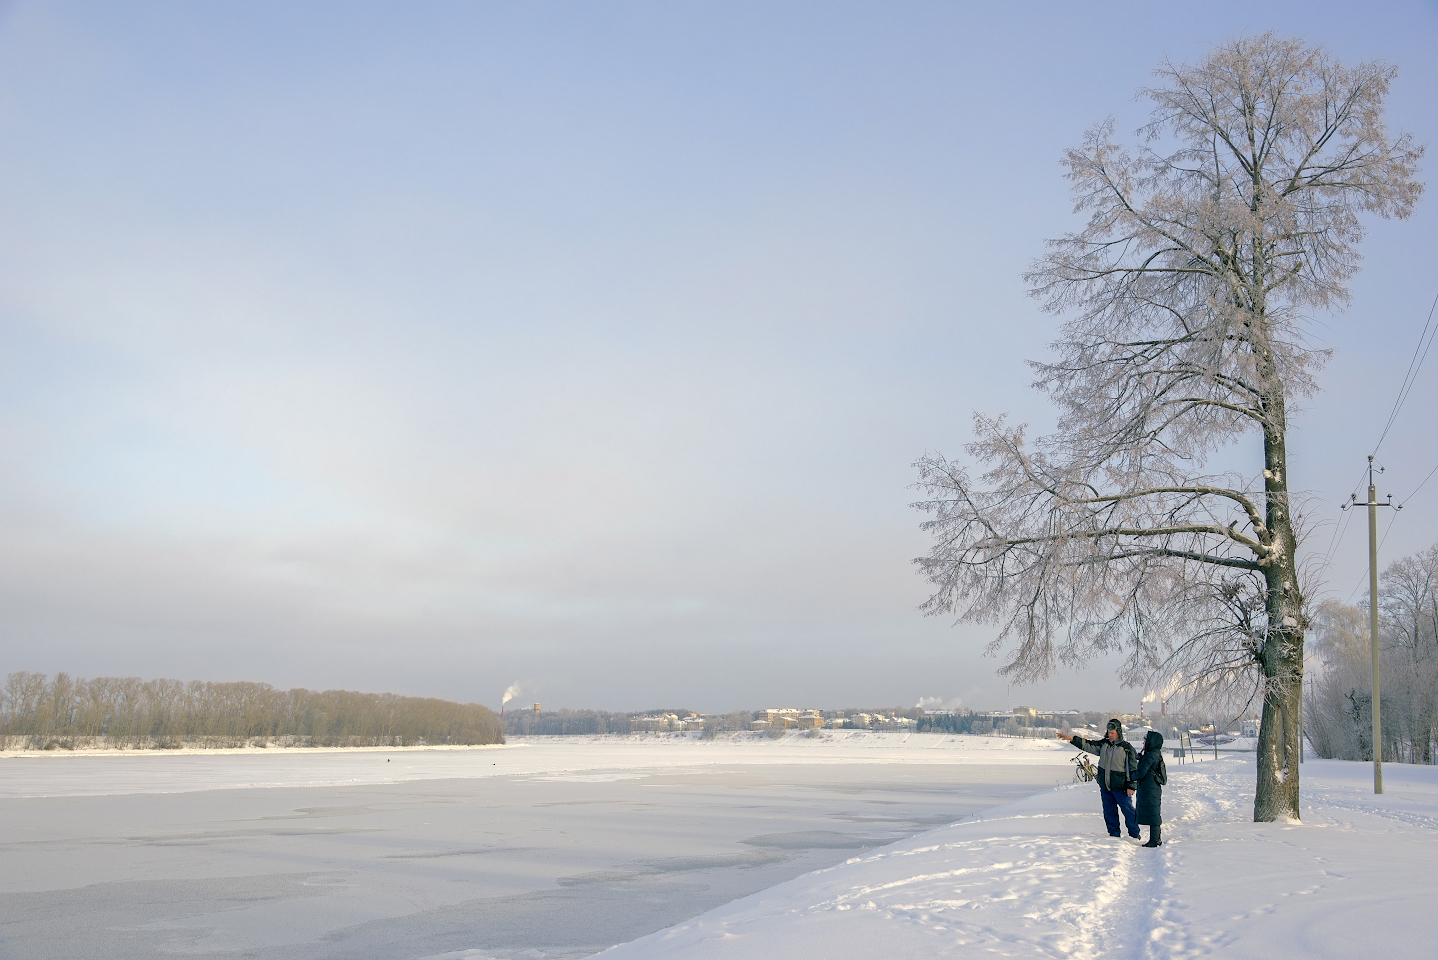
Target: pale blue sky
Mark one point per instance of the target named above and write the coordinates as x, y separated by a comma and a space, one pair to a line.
431, 347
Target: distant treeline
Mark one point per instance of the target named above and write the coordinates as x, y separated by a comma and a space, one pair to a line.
565, 723
37, 712
522, 722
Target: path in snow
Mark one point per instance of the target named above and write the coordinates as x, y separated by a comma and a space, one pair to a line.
1041, 878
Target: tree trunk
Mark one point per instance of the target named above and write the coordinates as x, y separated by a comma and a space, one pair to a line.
1280, 658
1276, 797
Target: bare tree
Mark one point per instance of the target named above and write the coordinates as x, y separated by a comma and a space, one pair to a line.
1339, 711
1336, 712
1207, 246
1409, 603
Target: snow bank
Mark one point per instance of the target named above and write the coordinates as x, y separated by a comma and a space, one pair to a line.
1041, 878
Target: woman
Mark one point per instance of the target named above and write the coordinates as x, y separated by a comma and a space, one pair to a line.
1150, 776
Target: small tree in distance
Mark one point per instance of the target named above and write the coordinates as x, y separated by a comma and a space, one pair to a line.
1187, 294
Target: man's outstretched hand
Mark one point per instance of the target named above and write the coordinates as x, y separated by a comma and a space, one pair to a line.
1062, 737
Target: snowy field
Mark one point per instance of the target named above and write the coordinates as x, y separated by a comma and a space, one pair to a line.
1041, 878
550, 847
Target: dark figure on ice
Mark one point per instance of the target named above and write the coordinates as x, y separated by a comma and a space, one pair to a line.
1116, 766
1150, 776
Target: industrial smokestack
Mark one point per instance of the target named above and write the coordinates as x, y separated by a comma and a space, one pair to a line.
510, 692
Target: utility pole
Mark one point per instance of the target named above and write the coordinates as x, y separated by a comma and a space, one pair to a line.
1373, 506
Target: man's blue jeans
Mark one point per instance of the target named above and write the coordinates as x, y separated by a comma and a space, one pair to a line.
1113, 802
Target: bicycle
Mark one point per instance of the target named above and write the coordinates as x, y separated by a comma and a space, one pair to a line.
1084, 772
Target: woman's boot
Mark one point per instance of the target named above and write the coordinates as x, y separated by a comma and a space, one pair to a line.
1154, 837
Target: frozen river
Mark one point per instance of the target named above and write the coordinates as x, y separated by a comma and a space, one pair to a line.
550, 847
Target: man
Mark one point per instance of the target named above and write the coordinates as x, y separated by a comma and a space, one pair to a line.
1116, 766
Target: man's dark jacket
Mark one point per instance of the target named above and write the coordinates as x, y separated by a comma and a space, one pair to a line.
1150, 792
1116, 760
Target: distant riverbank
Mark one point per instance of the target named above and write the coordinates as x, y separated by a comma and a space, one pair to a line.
823, 741
200, 749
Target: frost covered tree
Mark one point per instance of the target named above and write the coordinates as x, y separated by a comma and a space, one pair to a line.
1409, 603
1339, 708
1408, 630
1208, 246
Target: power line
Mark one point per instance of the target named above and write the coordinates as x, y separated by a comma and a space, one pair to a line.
1421, 485
1339, 530
1420, 353
1410, 379
1387, 530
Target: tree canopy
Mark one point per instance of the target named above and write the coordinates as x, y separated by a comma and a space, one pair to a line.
1210, 242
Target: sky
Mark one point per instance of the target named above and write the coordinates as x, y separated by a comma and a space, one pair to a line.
436, 348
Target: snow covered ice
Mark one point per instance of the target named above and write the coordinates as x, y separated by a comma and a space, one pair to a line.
550, 847
560, 847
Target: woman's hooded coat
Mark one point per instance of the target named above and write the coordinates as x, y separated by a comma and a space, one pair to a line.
1150, 792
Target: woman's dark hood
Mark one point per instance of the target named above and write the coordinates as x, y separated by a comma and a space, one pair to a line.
1153, 741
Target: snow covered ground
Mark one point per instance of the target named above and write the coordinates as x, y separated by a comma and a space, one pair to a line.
545, 848
804, 848
1041, 878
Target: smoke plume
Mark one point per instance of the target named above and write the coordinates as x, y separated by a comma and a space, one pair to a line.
1175, 683
510, 692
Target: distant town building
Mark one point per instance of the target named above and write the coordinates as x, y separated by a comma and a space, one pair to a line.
788, 718
666, 723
